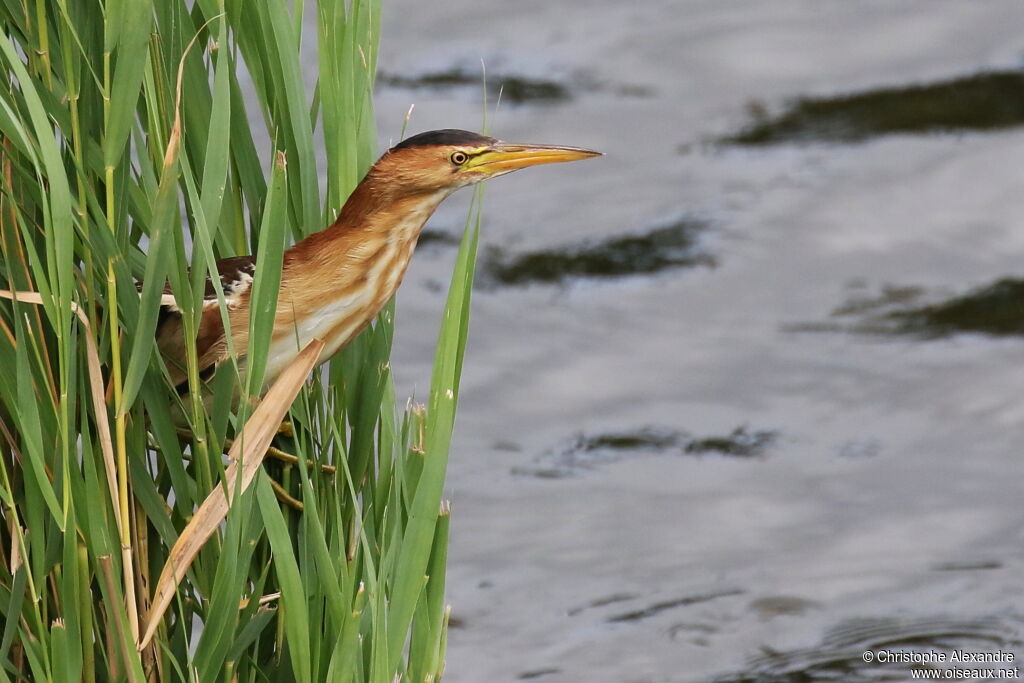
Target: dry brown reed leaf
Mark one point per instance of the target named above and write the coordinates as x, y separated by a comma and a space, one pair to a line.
248, 449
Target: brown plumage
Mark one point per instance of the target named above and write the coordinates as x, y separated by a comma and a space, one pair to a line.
335, 281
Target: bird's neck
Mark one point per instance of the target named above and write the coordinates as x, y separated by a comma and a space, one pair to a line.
374, 215
358, 262
337, 280
377, 207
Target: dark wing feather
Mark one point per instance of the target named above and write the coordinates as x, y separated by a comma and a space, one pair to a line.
235, 278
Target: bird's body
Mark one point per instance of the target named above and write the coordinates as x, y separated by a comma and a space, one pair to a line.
334, 282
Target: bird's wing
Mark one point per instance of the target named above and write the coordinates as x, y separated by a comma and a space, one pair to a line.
211, 346
235, 277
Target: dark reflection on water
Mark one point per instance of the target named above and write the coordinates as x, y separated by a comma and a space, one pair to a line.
996, 310
984, 101
840, 655
741, 443
891, 296
602, 602
671, 246
659, 607
968, 566
514, 89
646, 439
585, 452
432, 237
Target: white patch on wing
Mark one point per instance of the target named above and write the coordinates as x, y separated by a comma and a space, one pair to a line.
240, 285
234, 289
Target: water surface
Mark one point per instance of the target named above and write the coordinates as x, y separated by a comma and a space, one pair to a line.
885, 510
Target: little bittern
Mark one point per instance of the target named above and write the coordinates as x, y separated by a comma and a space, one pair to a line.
335, 281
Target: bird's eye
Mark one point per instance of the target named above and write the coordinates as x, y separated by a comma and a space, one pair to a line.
459, 158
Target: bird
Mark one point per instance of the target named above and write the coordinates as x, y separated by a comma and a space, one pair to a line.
335, 281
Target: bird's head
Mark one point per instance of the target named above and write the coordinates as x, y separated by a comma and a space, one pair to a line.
445, 160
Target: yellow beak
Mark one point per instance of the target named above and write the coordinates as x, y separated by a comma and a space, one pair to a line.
507, 156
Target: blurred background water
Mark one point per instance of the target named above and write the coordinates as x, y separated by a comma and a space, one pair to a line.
743, 398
